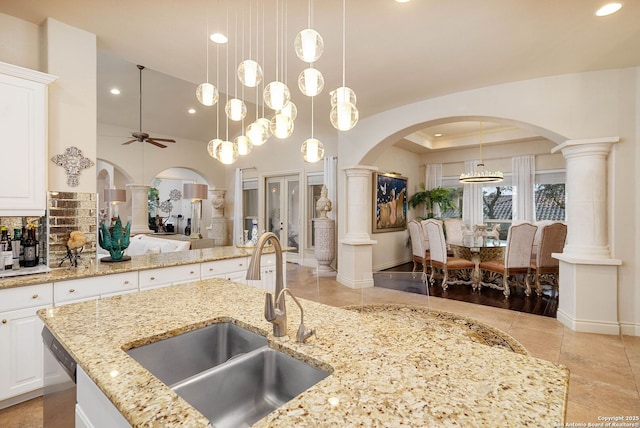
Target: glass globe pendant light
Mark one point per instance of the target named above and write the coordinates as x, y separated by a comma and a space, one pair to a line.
308, 45
276, 95
290, 110
312, 150
227, 152
342, 95
207, 94
212, 146
344, 116
236, 109
243, 144
257, 133
344, 113
311, 82
250, 73
281, 126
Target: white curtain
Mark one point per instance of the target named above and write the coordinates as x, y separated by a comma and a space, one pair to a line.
432, 180
472, 212
524, 174
237, 208
331, 181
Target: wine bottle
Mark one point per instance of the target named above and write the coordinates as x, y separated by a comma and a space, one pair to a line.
7, 253
30, 245
23, 238
17, 248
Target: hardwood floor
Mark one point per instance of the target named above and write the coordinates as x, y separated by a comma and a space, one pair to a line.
545, 305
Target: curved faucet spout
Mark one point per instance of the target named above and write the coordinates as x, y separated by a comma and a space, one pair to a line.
253, 273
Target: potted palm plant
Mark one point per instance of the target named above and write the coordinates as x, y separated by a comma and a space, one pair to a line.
438, 196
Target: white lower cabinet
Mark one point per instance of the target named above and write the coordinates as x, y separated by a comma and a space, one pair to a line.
79, 290
162, 277
233, 269
93, 408
21, 356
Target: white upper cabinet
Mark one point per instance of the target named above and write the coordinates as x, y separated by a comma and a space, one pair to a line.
23, 140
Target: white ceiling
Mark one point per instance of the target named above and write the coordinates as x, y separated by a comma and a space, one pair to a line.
395, 53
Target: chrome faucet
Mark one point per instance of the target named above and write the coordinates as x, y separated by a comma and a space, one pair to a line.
277, 316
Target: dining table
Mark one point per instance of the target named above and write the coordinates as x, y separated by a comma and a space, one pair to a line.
478, 252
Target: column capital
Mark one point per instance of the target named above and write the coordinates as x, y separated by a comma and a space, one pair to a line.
361, 170
589, 146
137, 186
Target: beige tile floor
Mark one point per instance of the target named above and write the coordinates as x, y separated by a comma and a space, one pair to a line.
605, 370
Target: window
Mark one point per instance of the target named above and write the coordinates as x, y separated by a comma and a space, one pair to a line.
314, 187
249, 202
550, 195
497, 207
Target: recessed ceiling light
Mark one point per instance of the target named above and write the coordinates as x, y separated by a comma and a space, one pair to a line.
192, 111
437, 135
609, 8
218, 38
115, 91
403, 1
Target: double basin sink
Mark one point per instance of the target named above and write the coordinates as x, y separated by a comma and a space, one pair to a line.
227, 373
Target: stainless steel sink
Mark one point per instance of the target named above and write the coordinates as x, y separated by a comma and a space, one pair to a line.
248, 387
179, 357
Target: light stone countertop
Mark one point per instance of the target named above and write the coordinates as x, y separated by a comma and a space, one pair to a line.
92, 267
382, 374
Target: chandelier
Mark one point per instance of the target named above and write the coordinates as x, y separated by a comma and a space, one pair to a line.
481, 174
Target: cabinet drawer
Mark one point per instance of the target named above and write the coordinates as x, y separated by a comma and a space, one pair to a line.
219, 268
86, 288
26, 297
170, 275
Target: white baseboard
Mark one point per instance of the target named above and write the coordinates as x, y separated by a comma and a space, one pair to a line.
365, 283
588, 326
630, 329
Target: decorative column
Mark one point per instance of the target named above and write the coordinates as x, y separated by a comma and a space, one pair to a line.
588, 300
139, 208
324, 233
356, 260
218, 228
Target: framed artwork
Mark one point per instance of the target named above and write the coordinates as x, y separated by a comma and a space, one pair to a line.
389, 202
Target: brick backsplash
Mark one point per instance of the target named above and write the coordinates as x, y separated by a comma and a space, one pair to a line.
68, 212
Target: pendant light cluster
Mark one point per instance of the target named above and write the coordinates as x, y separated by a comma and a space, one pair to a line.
308, 46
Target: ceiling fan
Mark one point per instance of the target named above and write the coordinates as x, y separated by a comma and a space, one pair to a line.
143, 136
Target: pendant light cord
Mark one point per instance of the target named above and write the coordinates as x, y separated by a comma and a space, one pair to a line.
344, 8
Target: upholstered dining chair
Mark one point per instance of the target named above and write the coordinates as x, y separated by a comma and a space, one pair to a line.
440, 259
552, 240
453, 231
419, 246
517, 258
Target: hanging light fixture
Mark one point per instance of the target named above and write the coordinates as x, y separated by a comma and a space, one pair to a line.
206, 93
249, 71
235, 108
213, 144
311, 81
312, 149
281, 126
290, 110
344, 114
481, 175
276, 94
226, 151
243, 144
308, 43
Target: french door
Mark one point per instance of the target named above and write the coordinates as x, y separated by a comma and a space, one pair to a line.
282, 205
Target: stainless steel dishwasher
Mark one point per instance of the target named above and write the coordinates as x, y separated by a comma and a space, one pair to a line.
59, 400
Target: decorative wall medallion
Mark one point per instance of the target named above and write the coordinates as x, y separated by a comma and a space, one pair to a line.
73, 163
175, 195
166, 206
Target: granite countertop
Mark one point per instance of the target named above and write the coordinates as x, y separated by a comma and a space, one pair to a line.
93, 267
382, 374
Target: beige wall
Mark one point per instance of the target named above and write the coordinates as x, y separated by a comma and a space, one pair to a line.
20, 42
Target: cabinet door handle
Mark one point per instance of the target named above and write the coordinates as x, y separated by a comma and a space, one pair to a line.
153, 278
210, 269
71, 290
35, 296
191, 272
4, 321
126, 283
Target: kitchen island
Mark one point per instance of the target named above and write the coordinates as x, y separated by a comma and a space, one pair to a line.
395, 375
